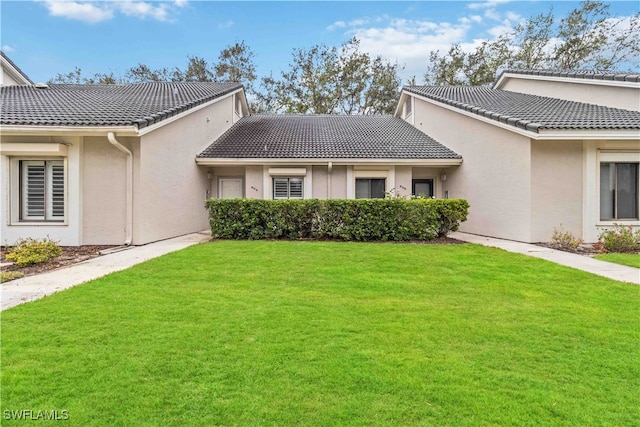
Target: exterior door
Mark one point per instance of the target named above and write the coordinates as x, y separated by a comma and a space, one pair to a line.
230, 188
422, 187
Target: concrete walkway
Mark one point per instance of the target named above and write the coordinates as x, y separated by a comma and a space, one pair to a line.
37, 286
581, 262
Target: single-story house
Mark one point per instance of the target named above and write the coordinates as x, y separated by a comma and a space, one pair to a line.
325, 156
113, 164
533, 163
109, 164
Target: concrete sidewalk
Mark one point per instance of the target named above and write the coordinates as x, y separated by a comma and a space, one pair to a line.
34, 287
581, 262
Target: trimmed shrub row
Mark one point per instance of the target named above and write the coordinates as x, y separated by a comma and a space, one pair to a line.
336, 219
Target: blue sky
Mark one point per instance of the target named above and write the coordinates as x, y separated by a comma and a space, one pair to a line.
49, 37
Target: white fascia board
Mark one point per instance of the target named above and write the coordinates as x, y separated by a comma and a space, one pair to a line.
588, 134
403, 96
147, 129
296, 161
545, 134
68, 130
505, 76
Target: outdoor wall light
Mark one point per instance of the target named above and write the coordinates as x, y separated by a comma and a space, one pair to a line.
443, 177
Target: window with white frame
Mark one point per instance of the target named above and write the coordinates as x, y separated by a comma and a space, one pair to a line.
288, 188
618, 191
42, 190
370, 188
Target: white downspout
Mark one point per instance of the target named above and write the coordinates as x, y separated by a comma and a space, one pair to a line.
129, 226
329, 170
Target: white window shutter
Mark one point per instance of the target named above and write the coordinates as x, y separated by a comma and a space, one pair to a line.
295, 188
55, 189
33, 189
280, 188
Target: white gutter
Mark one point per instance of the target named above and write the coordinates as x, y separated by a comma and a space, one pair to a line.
129, 225
203, 161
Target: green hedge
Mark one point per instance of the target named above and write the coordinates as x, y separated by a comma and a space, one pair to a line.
339, 219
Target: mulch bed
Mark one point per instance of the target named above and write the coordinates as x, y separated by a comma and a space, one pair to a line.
70, 255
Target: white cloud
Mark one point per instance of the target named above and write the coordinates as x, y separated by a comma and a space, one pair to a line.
97, 11
225, 25
336, 25
491, 4
86, 12
143, 10
7, 48
409, 41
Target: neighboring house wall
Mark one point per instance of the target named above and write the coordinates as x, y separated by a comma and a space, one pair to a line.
104, 189
495, 176
556, 188
623, 95
170, 188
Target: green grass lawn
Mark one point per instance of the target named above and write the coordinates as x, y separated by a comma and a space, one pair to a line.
632, 260
309, 333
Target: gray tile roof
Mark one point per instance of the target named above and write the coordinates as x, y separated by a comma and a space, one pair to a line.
22, 73
578, 74
529, 112
325, 137
104, 105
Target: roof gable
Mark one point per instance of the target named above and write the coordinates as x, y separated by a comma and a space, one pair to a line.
10, 68
325, 137
530, 112
137, 105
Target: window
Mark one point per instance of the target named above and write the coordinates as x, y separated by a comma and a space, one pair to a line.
407, 107
370, 188
618, 191
42, 190
422, 187
288, 188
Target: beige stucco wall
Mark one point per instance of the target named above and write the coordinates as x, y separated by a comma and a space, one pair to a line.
170, 189
556, 188
608, 95
6, 80
320, 182
495, 176
253, 182
339, 182
104, 182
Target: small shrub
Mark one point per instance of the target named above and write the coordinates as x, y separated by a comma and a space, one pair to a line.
562, 239
5, 276
33, 251
620, 238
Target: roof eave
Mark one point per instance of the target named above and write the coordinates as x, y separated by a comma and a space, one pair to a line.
67, 130
223, 161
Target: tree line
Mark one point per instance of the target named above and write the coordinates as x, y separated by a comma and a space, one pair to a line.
344, 80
